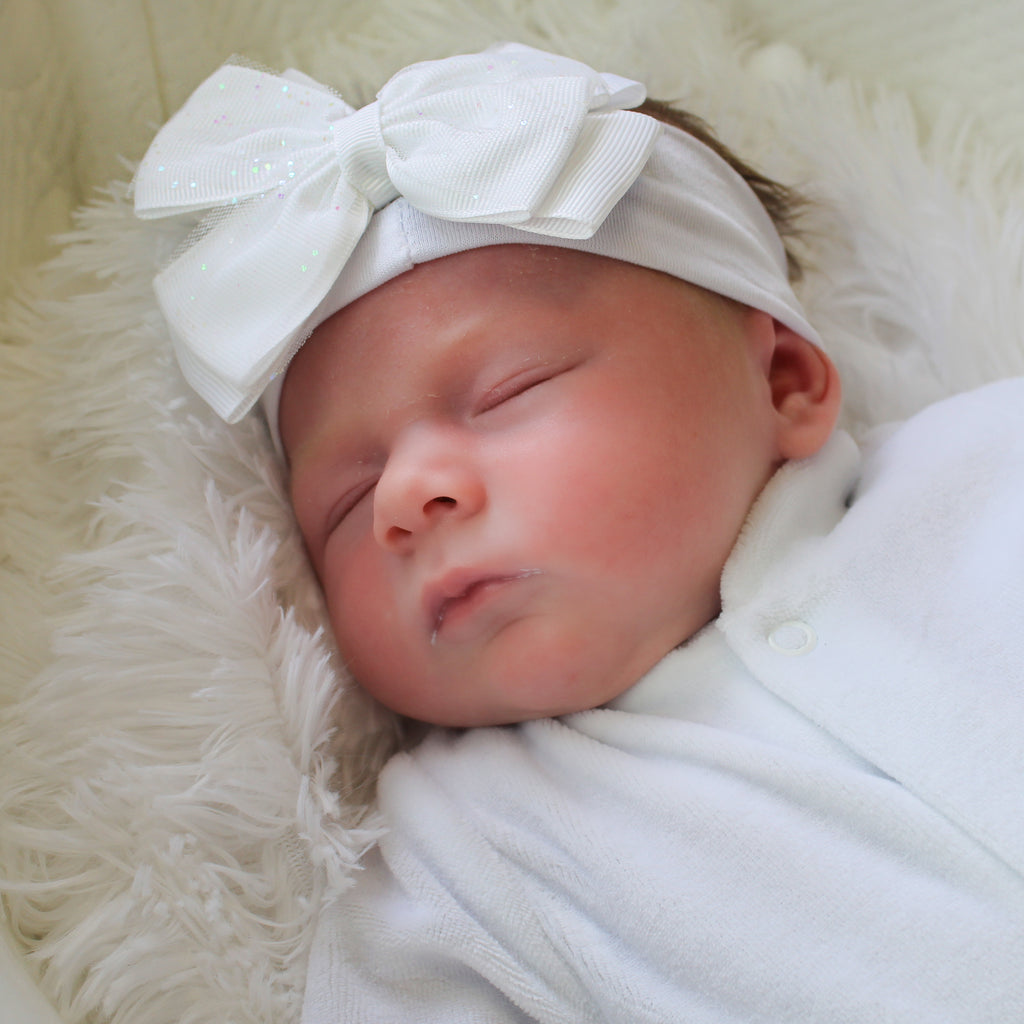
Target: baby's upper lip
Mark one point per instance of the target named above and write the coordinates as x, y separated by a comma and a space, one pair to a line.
456, 584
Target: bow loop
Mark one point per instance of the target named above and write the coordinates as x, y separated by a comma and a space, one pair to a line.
501, 65
291, 176
513, 115
519, 134
241, 134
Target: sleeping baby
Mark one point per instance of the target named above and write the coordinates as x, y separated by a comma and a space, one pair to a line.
728, 708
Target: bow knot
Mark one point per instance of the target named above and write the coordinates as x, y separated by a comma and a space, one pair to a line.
359, 151
291, 175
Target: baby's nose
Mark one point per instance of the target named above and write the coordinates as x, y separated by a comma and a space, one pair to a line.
429, 478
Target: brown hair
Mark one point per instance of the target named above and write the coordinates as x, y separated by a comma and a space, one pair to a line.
783, 204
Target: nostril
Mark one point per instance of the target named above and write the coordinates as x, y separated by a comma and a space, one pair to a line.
442, 500
396, 534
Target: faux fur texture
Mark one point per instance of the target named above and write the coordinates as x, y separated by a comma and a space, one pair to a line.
184, 764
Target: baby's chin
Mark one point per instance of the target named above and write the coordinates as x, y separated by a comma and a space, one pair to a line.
535, 689
524, 702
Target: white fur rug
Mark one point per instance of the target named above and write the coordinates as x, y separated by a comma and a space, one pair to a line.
183, 764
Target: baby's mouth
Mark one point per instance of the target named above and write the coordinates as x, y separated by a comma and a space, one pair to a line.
459, 595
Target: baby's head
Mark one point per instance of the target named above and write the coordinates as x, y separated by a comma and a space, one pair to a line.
520, 457
519, 471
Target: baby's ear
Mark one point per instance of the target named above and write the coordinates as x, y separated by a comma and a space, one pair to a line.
806, 393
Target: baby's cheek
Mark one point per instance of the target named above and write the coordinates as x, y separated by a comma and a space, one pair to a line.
353, 594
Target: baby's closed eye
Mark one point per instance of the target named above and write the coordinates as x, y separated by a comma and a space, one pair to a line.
347, 504
513, 387
520, 383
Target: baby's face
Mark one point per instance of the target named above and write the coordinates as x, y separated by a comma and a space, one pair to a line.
519, 472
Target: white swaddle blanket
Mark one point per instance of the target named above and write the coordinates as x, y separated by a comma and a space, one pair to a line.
808, 813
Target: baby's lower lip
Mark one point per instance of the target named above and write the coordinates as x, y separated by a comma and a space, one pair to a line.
483, 606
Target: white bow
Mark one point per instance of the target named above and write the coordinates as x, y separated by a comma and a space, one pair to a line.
292, 175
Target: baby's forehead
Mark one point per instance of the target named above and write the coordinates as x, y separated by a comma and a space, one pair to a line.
534, 274
441, 295
543, 272
526, 276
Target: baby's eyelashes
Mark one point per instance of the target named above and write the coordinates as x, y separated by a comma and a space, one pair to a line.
347, 504
524, 381
512, 388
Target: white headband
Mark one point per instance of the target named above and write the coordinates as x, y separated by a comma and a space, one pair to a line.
314, 203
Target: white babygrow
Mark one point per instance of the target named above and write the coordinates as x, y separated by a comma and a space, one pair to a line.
811, 812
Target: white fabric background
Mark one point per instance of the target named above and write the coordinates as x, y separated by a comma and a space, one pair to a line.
84, 82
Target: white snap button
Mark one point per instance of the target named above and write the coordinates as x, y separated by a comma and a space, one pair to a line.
793, 638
